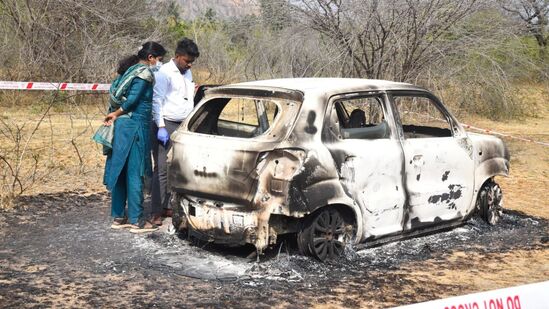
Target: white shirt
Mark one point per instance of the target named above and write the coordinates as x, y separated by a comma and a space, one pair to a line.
173, 96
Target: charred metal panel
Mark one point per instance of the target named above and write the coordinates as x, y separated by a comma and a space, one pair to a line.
439, 178
217, 170
491, 159
227, 224
265, 92
447, 199
374, 180
276, 172
466, 144
303, 195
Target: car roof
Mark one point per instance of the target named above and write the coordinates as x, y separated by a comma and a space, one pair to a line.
327, 85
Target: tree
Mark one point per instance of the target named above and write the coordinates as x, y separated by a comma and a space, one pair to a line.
392, 39
74, 40
275, 13
535, 15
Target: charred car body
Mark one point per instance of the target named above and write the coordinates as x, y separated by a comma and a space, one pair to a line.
336, 161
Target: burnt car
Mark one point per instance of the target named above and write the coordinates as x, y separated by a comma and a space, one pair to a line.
336, 161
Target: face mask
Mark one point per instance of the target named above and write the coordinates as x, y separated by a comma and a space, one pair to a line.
155, 67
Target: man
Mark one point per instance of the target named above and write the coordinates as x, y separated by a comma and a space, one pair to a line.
173, 100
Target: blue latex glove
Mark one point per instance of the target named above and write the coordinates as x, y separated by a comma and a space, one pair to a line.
163, 136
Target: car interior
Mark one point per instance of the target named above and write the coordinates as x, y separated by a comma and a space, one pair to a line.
235, 117
359, 124
421, 118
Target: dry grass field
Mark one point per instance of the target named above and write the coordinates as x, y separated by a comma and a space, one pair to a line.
68, 159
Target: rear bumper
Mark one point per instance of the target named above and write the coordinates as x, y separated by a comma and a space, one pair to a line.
231, 225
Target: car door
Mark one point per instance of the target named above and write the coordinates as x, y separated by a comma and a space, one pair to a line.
439, 168
361, 138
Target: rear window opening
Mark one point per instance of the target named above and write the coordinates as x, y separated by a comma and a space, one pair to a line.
241, 117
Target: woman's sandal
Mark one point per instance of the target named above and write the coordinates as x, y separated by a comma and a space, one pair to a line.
143, 227
120, 223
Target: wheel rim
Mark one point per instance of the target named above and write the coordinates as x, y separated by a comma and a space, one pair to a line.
328, 235
494, 201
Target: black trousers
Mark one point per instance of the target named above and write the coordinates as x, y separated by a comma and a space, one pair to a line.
160, 196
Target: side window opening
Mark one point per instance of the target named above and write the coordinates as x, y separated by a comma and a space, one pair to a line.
235, 117
421, 117
362, 118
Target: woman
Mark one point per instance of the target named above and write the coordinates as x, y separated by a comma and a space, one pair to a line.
129, 160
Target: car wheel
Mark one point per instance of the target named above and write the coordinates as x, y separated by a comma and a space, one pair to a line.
490, 202
325, 234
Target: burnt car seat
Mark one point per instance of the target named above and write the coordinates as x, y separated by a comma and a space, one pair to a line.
357, 119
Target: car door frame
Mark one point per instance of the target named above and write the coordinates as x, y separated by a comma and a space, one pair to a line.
373, 225
413, 220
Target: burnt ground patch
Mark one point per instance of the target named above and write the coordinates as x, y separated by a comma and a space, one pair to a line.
58, 250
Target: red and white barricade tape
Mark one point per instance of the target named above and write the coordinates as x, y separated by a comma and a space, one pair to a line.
466, 126
53, 86
530, 296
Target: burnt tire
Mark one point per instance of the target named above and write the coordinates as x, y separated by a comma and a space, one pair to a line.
490, 203
325, 234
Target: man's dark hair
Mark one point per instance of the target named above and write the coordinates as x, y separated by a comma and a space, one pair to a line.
187, 47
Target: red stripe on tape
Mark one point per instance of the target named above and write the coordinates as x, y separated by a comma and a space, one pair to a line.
53, 86
504, 135
520, 297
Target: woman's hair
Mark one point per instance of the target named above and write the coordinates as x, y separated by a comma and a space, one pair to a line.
149, 48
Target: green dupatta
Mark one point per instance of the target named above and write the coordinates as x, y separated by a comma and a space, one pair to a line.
117, 96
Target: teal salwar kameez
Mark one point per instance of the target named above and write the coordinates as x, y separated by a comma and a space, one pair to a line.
129, 160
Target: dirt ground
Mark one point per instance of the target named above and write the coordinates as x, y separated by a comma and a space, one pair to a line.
57, 250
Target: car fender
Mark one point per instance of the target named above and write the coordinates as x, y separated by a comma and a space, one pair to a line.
330, 193
491, 159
